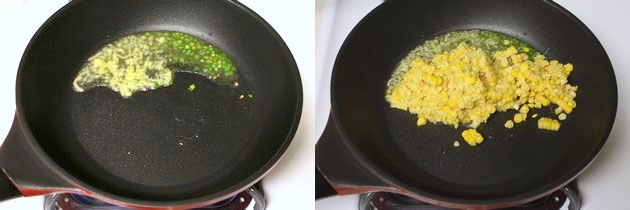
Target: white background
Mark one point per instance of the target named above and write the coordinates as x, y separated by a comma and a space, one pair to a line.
604, 185
290, 185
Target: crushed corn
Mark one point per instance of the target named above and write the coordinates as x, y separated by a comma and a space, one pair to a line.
534, 115
472, 137
465, 86
548, 124
509, 124
456, 144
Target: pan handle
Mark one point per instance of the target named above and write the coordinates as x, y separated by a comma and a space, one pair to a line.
23, 173
322, 188
7, 189
338, 171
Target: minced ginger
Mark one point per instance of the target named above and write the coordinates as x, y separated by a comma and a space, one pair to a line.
465, 86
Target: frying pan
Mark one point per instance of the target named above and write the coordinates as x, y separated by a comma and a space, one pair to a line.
368, 146
166, 148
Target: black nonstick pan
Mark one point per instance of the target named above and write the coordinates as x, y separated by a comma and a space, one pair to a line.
166, 148
368, 146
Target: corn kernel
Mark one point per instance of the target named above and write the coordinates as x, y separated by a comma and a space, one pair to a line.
509, 124
524, 109
512, 50
421, 121
562, 116
567, 109
568, 67
545, 102
472, 137
558, 110
548, 124
520, 117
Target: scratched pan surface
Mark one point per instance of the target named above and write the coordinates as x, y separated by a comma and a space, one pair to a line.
168, 144
512, 164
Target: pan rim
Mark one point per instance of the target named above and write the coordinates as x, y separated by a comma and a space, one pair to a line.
519, 198
206, 199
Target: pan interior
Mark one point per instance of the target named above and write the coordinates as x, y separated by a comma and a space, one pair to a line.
511, 163
167, 144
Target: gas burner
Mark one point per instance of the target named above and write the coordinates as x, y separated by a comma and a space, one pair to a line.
392, 201
251, 198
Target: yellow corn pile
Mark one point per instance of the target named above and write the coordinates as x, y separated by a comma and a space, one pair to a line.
465, 86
